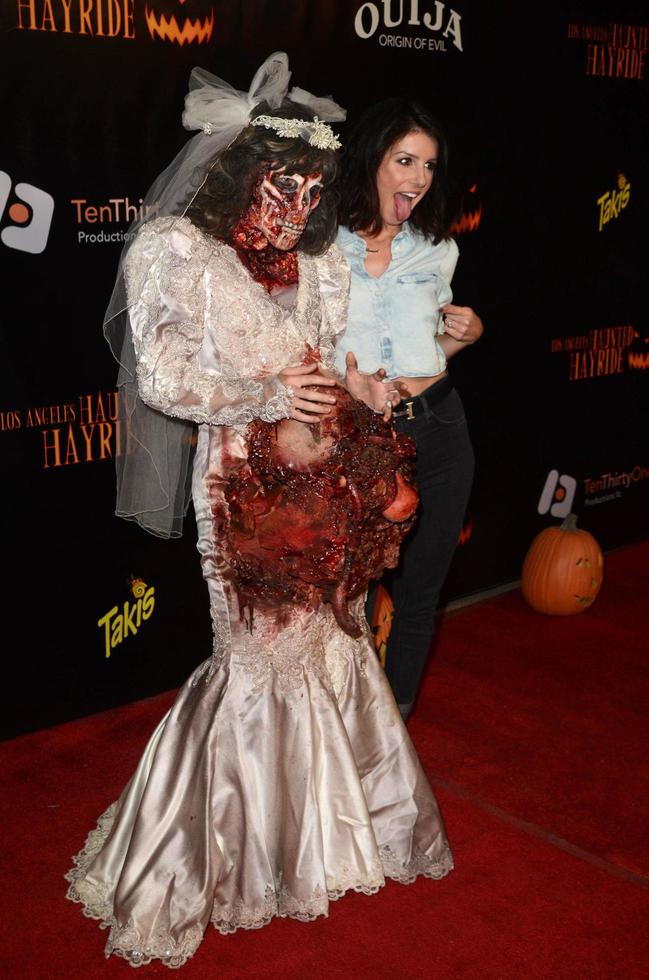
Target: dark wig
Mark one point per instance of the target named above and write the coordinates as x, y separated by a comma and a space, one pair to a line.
226, 193
373, 134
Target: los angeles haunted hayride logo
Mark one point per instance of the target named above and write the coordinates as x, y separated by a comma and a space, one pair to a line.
176, 21
612, 50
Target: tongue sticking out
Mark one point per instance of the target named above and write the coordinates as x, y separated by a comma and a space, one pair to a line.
402, 207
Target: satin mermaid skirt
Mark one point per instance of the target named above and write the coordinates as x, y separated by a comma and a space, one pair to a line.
282, 777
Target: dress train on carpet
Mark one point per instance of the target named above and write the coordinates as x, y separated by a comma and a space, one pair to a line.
281, 778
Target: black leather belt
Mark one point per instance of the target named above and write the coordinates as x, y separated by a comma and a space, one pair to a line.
412, 408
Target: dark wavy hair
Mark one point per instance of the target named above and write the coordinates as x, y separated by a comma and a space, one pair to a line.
373, 134
227, 191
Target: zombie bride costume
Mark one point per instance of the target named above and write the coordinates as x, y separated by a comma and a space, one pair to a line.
283, 775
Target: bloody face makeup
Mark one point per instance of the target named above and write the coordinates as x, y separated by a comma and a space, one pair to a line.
279, 210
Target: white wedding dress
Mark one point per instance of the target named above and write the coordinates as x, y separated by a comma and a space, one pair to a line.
283, 775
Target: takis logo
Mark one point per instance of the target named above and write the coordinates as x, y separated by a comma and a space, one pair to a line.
119, 624
31, 215
612, 202
557, 494
186, 30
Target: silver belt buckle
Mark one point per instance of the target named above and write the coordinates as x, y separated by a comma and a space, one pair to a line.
409, 412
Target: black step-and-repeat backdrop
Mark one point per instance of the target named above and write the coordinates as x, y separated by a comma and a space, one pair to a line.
546, 109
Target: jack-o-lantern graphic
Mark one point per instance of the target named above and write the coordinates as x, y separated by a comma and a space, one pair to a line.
382, 621
179, 30
638, 358
465, 533
469, 220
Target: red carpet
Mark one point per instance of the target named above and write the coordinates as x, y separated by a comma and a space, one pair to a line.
548, 717
535, 732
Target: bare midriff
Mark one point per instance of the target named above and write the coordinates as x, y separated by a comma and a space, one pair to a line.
415, 386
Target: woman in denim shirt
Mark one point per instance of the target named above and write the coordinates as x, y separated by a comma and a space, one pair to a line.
394, 234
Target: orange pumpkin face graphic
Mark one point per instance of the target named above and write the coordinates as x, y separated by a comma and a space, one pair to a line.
638, 358
179, 30
382, 621
469, 220
466, 532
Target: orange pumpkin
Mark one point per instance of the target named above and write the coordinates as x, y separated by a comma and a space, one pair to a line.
563, 570
382, 622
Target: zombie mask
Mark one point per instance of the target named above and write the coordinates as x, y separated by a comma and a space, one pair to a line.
279, 210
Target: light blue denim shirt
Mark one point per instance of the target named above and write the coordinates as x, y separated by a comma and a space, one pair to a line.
394, 320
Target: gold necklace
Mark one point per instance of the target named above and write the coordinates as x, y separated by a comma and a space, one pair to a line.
381, 248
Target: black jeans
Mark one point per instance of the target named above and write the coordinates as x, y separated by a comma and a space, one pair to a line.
444, 471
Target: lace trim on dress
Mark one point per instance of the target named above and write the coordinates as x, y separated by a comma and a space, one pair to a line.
278, 901
420, 864
93, 896
127, 942
124, 941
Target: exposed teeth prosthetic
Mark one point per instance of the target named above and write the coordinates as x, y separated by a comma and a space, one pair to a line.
280, 207
278, 214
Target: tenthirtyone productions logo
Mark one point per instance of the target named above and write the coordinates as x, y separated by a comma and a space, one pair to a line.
121, 622
612, 202
162, 22
610, 486
30, 215
557, 494
424, 25
97, 221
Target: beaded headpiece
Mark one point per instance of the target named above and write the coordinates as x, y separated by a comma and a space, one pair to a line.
316, 133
